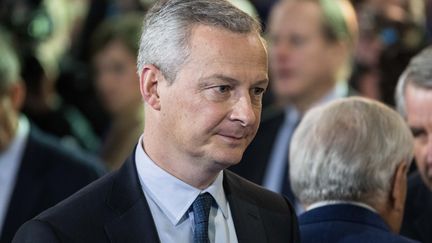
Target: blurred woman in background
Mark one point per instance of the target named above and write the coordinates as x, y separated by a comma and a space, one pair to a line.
114, 49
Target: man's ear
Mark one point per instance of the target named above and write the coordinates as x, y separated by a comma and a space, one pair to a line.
149, 86
399, 187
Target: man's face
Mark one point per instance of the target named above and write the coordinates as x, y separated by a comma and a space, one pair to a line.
302, 61
211, 111
419, 117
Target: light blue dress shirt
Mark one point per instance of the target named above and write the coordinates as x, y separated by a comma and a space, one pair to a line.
274, 175
10, 160
170, 201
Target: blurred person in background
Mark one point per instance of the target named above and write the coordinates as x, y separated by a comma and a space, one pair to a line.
414, 102
349, 161
115, 47
42, 32
48, 110
36, 172
391, 32
311, 44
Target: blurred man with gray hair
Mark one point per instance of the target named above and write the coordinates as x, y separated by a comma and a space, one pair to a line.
348, 167
414, 102
203, 71
36, 171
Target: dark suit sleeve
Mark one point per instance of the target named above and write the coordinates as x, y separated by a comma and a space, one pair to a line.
35, 231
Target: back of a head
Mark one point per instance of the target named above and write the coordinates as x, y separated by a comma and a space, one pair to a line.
9, 64
418, 73
168, 26
348, 150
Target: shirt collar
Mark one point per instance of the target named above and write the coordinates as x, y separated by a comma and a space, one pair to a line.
335, 202
173, 196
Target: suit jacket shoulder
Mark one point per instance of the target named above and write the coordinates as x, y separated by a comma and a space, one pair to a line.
111, 209
345, 223
48, 174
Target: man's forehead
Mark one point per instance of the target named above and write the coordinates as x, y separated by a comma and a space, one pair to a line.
418, 102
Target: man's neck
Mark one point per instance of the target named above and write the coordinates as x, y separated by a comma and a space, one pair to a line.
188, 170
303, 103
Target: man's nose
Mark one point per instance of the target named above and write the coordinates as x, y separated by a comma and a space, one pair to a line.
280, 52
243, 111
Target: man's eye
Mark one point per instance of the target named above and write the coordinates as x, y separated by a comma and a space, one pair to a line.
258, 91
298, 40
223, 88
418, 133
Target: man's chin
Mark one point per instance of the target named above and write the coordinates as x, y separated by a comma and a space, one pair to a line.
228, 161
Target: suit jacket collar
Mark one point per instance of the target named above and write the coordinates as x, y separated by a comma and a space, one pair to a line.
343, 212
134, 219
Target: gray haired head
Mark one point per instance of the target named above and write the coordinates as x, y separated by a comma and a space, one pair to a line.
348, 150
168, 26
418, 73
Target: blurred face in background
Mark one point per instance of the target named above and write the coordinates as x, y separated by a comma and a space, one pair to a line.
116, 79
302, 61
418, 103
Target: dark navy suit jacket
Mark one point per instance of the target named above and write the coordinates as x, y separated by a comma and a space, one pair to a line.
345, 223
114, 209
48, 174
417, 223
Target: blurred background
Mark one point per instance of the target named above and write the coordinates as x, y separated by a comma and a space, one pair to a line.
78, 62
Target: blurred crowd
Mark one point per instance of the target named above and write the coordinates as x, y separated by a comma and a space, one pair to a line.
77, 63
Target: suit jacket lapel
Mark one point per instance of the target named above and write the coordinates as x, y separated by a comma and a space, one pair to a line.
134, 222
245, 213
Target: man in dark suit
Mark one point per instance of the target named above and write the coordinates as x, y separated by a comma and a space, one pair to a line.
35, 171
413, 100
203, 71
311, 45
349, 161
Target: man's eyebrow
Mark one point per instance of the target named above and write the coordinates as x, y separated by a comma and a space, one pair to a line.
231, 80
222, 77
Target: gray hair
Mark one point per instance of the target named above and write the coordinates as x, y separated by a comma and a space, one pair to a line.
168, 26
348, 150
417, 73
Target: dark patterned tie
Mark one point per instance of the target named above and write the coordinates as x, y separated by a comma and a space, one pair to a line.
201, 210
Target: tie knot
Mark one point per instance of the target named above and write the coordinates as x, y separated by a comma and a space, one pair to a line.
201, 207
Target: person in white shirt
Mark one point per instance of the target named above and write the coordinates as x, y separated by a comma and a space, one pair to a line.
349, 161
